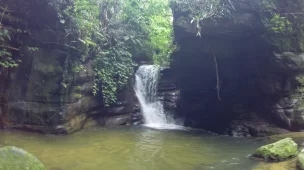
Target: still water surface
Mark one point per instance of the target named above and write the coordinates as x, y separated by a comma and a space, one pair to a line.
136, 148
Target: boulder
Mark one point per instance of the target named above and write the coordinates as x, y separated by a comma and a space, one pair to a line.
13, 158
278, 151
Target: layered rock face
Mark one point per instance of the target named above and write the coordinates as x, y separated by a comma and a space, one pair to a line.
255, 90
51, 90
168, 91
46, 92
126, 111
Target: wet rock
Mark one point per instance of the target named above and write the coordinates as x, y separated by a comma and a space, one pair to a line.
137, 123
168, 92
291, 61
278, 151
118, 110
13, 158
117, 120
288, 112
251, 125
137, 118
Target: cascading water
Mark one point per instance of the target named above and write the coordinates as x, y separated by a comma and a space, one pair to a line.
146, 92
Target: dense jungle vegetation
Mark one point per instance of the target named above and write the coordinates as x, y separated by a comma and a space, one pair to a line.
111, 33
115, 33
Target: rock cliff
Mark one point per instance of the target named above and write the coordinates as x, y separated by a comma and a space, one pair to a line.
51, 90
234, 73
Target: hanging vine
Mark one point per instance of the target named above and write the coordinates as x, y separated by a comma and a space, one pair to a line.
217, 77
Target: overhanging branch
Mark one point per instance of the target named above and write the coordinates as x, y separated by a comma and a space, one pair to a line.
8, 47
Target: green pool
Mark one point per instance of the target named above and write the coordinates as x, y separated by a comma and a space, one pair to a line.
136, 148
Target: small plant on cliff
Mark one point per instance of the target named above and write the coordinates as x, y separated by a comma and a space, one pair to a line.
6, 59
200, 10
279, 24
284, 29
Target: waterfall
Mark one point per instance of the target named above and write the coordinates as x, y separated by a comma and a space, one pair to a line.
146, 92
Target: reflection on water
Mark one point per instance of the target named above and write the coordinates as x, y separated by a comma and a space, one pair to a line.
147, 149
136, 148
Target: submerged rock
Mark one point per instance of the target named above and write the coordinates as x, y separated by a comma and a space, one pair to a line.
300, 160
286, 165
56, 168
13, 158
278, 151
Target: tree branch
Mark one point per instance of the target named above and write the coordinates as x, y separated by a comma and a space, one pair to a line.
2, 17
11, 48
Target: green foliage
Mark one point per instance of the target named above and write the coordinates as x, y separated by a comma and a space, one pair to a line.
113, 33
203, 9
268, 6
200, 10
113, 69
279, 24
284, 22
6, 54
78, 67
6, 59
161, 32
280, 30
33, 49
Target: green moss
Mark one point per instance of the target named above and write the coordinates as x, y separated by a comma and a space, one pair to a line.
278, 151
76, 96
13, 158
268, 5
77, 89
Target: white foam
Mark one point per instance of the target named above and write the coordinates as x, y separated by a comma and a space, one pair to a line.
165, 126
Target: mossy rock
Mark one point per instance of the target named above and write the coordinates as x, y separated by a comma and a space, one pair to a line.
76, 96
278, 151
13, 158
300, 160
